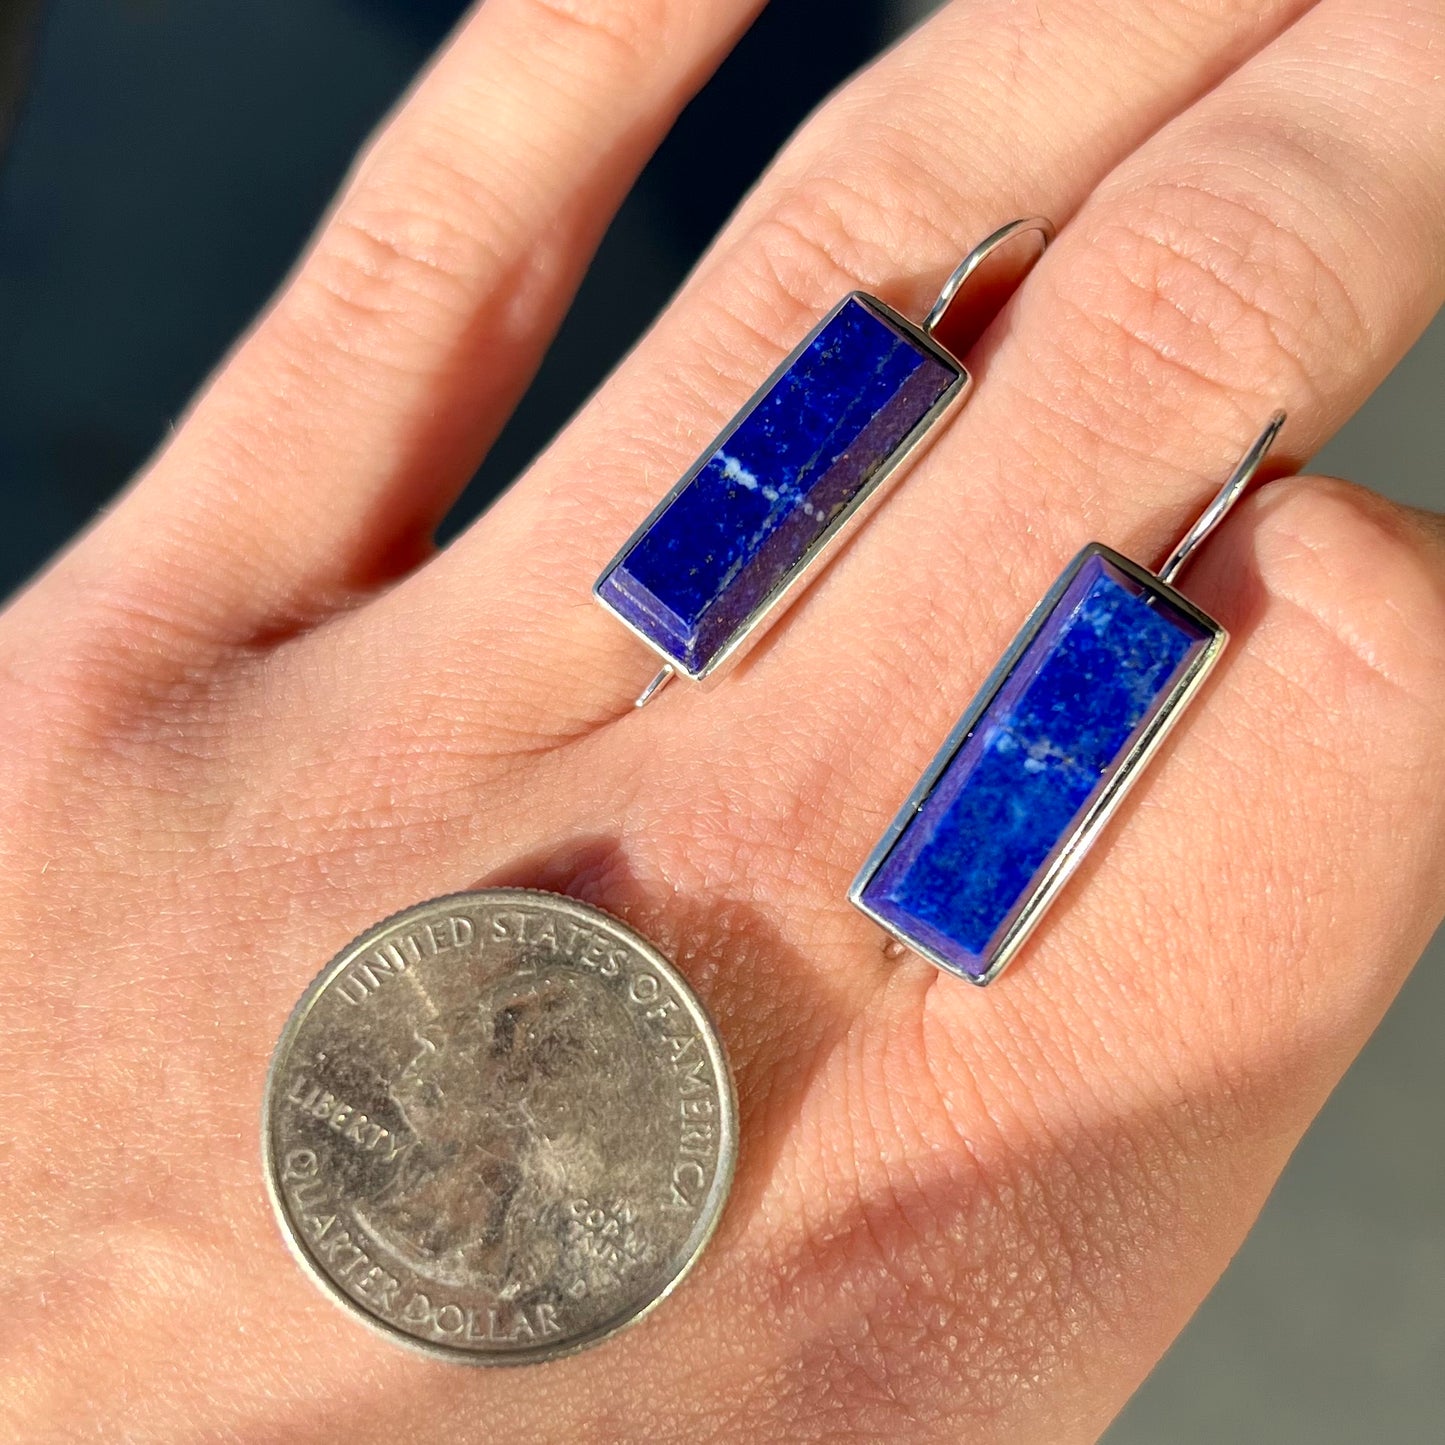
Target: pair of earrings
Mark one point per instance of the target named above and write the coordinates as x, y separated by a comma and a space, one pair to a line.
1067, 720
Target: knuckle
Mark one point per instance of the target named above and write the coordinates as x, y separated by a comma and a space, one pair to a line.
393, 259
634, 32
787, 268
835, 228
1218, 286
794, 263
1369, 575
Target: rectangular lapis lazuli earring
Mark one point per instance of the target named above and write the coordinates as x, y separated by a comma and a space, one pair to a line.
750, 519
1044, 754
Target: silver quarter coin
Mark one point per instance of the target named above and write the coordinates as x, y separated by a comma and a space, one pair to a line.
499, 1126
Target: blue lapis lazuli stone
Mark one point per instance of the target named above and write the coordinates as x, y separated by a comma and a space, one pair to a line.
807, 446
1103, 662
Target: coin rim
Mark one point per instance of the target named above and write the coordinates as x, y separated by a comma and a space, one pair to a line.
708, 1218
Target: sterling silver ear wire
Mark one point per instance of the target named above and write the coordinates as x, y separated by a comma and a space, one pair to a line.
743, 530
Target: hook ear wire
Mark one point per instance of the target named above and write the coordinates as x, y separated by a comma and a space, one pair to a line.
1039, 225
660, 681
1238, 483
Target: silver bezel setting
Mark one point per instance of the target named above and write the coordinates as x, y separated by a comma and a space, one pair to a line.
1072, 848
771, 606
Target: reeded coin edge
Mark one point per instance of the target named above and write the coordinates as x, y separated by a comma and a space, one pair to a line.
708, 1217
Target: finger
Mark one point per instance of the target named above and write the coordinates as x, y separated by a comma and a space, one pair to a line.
324, 452
884, 189
1280, 244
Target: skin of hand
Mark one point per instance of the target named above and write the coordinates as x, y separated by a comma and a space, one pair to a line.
250, 712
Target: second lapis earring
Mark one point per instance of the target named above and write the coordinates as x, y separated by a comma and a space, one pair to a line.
735, 539
1060, 731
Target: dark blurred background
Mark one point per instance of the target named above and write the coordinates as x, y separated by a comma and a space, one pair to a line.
162, 161
171, 157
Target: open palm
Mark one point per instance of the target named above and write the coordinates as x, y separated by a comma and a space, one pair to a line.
249, 714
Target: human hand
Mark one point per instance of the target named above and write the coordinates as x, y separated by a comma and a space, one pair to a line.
243, 721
